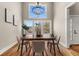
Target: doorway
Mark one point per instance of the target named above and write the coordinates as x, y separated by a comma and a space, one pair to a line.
72, 24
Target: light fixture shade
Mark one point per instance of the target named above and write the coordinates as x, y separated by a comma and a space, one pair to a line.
38, 9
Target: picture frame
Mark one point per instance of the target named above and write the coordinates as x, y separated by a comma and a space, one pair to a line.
14, 20
7, 16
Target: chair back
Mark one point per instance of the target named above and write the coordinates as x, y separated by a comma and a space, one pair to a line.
38, 46
52, 35
18, 40
58, 40
55, 37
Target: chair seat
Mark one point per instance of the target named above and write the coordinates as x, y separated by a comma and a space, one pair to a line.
38, 46
50, 42
24, 43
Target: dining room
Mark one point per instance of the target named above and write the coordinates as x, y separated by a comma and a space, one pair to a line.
33, 29
37, 27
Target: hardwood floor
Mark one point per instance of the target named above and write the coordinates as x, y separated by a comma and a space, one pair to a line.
13, 52
65, 52
75, 48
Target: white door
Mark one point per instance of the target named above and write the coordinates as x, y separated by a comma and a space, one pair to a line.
75, 29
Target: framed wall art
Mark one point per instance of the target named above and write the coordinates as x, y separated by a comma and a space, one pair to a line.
8, 16
14, 21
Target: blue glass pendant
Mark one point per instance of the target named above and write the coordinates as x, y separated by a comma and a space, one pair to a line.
38, 10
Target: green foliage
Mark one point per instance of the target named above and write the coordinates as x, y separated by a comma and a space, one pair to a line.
25, 27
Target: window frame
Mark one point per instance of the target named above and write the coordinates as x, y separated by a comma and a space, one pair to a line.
42, 30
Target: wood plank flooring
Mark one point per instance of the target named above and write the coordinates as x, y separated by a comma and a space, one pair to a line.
75, 48
13, 52
65, 52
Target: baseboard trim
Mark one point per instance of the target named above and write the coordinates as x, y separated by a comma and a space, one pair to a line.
67, 51
63, 45
7, 48
74, 45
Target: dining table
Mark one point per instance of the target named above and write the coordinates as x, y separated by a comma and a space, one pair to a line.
38, 39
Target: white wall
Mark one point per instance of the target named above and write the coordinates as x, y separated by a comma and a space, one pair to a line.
59, 22
74, 9
8, 32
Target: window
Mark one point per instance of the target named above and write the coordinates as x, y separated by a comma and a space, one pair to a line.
40, 26
34, 10
46, 27
29, 23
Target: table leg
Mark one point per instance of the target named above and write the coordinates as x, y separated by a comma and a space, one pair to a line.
21, 48
54, 48
50, 47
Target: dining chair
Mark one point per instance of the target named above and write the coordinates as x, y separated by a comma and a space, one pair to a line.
48, 43
38, 47
20, 42
56, 43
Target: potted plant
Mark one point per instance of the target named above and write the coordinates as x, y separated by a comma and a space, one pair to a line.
25, 27
38, 30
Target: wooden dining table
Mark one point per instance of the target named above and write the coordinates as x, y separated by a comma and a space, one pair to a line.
38, 39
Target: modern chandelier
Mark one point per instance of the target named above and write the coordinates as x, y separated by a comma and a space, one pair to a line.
38, 9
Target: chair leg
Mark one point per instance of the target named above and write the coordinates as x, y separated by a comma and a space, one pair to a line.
33, 53
18, 47
50, 47
42, 53
47, 44
58, 49
29, 45
26, 47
